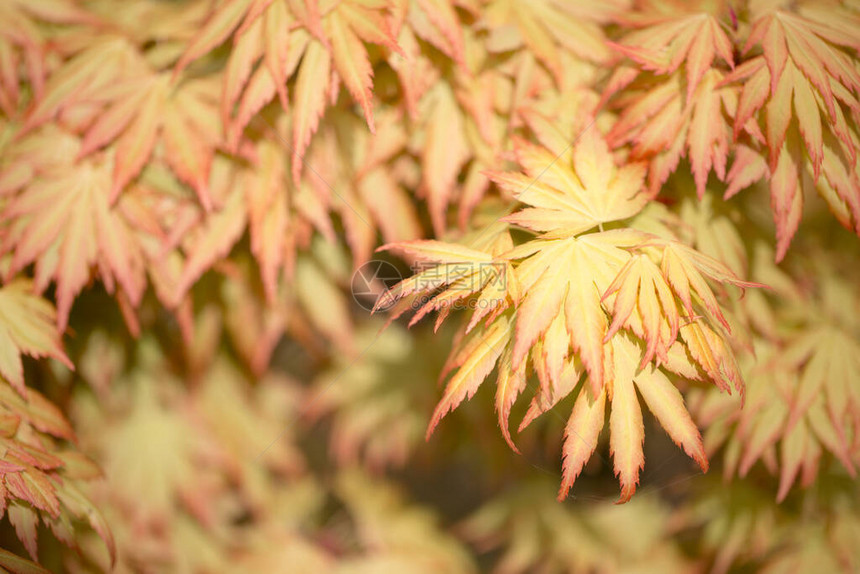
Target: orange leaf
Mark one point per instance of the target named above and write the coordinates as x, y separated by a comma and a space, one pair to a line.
26, 327
474, 369
667, 404
215, 31
580, 436
626, 432
218, 234
508, 387
312, 85
352, 64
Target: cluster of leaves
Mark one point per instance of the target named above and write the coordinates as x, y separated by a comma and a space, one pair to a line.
534, 532
773, 86
801, 400
42, 475
744, 526
557, 291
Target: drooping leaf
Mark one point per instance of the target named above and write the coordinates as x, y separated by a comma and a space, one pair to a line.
487, 347
66, 226
27, 325
581, 434
564, 285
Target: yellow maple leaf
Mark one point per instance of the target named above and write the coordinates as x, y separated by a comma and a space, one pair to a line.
27, 326
562, 288
64, 223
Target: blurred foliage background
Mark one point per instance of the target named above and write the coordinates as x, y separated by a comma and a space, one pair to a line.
187, 188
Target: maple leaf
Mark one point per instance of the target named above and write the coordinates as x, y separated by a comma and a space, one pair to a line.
626, 430
273, 40
460, 132
86, 77
529, 531
213, 239
716, 233
183, 117
588, 291
437, 22
663, 127
414, 69
465, 271
804, 90
281, 216
564, 285
118, 99
800, 403
662, 121
556, 119
780, 423
268, 215
312, 87
664, 42
264, 36
39, 481
822, 410
345, 29
739, 521
460, 129
265, 54
795, 109
445, 151
151, 425
180, 241
63, 222
239, 420
811, 547
357, 185
27, 325
33, 409
162, 216
324, 303
548, 28
225, 427
569, 202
